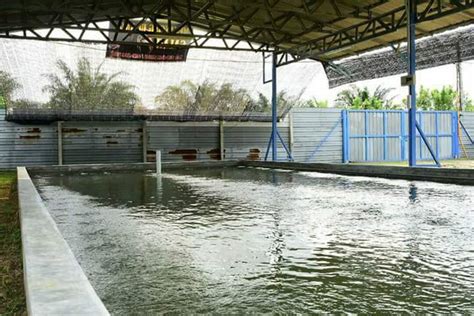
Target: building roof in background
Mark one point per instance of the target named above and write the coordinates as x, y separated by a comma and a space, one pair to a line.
324, 30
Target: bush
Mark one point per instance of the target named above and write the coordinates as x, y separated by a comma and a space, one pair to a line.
7, 86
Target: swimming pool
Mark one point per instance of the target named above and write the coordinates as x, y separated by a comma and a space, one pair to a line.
249, 240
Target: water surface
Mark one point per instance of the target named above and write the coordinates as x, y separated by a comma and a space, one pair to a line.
245, 240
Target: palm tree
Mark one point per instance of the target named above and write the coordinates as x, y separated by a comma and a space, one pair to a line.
88, 89
362, 98
208, 97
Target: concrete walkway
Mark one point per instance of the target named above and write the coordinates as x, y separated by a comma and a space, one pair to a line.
454, 176
54, 282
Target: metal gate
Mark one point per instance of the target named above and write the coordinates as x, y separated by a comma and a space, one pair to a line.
372, 135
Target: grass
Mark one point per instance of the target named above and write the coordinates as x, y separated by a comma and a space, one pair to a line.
12, 297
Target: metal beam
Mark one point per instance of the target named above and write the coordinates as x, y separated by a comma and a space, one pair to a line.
274, 107
411, 36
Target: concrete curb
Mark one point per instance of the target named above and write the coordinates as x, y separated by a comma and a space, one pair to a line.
131, 166
453, 176
54, 281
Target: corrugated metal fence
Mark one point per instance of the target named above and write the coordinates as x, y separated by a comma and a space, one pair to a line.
383, 135
313, 135
467, 135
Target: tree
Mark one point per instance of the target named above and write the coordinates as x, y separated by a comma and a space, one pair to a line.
8, 85
209, 97
362, 98
316, 104
438, 100
285, 103
205, 98
88, 89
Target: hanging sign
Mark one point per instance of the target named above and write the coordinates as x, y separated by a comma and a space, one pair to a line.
137, 47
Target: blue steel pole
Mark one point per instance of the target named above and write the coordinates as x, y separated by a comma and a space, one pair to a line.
411, 16
274, 108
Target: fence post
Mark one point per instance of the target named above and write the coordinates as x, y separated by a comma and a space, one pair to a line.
402, 136
290, 132
385, 143
345, 136
366, 131
221, 139
145, 141
437, 134
60, 143
455, 150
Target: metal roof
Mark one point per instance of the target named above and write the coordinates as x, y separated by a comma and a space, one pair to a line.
441, 49
324, 30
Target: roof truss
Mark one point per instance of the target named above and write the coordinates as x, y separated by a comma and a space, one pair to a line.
324, 30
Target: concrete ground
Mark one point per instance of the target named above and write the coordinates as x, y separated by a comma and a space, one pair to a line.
457, 164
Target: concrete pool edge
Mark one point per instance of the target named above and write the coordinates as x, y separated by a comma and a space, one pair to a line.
54, 281
131, 166
451, 176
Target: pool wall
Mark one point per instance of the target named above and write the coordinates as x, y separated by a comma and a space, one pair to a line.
454, 176
54, 281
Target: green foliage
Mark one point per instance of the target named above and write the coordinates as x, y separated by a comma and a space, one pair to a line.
210, 97
316, 104
438, 100
88, 89
363, 99
207, 97
7, 86
285, 103
468, 104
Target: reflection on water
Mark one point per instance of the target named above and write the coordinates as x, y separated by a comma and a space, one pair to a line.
245, 240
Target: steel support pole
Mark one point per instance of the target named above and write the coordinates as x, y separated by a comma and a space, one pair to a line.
274, 108
411, 35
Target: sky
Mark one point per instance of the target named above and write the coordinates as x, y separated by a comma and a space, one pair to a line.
28, 61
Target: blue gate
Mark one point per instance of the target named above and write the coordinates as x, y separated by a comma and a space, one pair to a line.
372, 135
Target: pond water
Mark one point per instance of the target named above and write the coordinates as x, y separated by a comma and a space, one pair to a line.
246, 240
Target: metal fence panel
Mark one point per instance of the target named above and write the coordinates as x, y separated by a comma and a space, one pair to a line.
201, 140
467, 134
314, 135
27, 145
377, 135
184, 141
317, 135
101, 142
